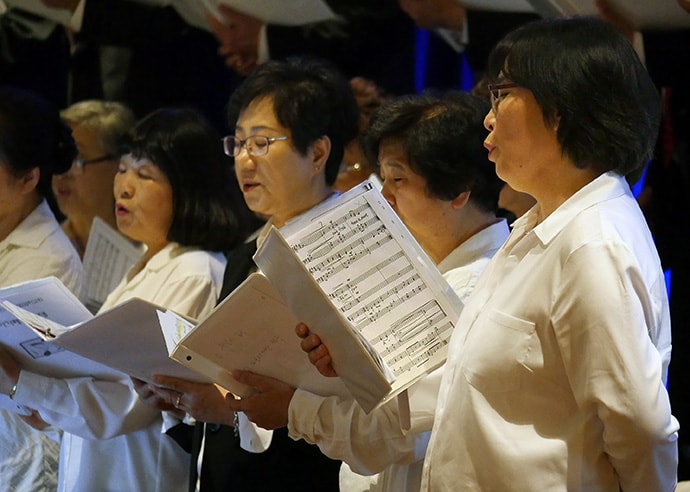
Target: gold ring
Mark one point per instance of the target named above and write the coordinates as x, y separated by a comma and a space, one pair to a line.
177, 402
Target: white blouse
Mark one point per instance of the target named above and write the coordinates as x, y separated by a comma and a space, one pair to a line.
112, 440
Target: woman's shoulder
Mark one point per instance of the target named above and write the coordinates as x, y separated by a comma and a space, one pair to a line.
181, 261
196, 256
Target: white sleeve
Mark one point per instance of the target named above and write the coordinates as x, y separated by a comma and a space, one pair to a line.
342, 430
86, 407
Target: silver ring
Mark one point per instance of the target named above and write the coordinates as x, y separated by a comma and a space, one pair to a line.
177, 402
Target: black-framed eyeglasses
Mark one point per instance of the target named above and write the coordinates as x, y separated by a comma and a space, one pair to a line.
255, 145
496, 95
78, 163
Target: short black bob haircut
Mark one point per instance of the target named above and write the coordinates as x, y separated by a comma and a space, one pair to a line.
584, 71
33, 135
310, 97
442, 137
188, 150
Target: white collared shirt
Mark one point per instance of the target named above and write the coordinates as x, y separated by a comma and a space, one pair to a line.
555, 379
112, 440
369, 442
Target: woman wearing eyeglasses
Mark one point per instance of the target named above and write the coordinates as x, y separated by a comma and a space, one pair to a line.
292, 120
174, 194
85, 191
34, 144
555, 377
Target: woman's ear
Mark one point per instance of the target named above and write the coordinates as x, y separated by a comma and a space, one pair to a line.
460, 200
29, 181
319, 152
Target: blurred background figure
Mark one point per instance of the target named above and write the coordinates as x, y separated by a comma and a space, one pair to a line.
34, 53
85, 191
174, 192
371, 38
455, 58
514, 202
357, 166
143, 54
34, 144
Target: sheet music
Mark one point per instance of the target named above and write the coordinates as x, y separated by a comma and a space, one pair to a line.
398, 300
252, 329
127, 338
108, 257
46, 297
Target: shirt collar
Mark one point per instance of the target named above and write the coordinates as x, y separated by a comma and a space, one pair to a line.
31, 232
605, 187
483, 244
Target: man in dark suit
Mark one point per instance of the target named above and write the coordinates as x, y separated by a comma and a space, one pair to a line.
170, 62
371, 38
37, 61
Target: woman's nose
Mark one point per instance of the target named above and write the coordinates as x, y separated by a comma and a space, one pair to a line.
122, 186
244, 162
490, 120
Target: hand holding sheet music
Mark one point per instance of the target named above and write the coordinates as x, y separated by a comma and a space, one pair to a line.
355, 275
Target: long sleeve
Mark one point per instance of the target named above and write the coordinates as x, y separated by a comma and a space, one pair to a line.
617, 374
369, 443
91, 408
86, 407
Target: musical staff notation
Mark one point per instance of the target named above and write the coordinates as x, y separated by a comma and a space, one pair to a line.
373, 280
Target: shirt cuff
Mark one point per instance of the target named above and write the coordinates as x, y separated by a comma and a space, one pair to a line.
253, 439
31, 387
302, 414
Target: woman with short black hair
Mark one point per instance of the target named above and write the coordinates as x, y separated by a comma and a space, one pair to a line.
173, 193
555, 375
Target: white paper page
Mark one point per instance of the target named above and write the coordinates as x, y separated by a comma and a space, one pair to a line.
127, 337
108, 257
364, 375
642, 14
50, 298
287, 13
61, 16
380, 279
44, 328
47, 297
253, 330
174, 328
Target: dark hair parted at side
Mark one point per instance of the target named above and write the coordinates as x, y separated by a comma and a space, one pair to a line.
188, 150
583, 71
310, 98
442, 137
33, 135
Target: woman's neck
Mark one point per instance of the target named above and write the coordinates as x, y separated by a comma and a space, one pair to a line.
314, 199
456, 231
11, 221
